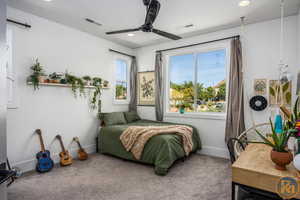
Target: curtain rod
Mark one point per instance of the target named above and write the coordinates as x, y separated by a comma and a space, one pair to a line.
191, 45
19, 23
124, 54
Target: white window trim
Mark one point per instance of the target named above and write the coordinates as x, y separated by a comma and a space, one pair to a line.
12, 100
128, 63
200, 49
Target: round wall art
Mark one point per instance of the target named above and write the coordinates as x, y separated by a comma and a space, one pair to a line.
258, 103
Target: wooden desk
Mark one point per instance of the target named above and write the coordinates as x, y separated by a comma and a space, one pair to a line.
254, 168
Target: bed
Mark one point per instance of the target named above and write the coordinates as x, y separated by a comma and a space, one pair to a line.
161, 150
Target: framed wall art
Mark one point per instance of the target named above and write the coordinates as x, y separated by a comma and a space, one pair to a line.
146, 88
260, 86
278, 98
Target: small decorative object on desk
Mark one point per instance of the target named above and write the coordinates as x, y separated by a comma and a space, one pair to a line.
278, 124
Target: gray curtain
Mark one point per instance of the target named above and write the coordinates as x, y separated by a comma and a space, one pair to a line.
235, 123
159, 110
133, 85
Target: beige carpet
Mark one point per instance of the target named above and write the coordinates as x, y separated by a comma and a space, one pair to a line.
107, 178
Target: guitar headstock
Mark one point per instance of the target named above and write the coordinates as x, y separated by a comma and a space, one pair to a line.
38, 131
58, 137
76, 139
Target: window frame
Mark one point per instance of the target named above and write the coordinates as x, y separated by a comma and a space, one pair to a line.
195, 50
128, 63
12, 96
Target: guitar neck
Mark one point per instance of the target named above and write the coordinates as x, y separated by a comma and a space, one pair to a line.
42, 142
79, 145
62, 145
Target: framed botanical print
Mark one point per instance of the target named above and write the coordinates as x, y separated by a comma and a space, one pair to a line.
146, 88
277, 97
260, 86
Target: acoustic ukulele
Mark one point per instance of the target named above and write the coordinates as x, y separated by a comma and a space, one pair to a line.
82, 155
44, 161
65, 157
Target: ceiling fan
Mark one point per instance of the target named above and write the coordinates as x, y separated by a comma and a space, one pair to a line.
153, 7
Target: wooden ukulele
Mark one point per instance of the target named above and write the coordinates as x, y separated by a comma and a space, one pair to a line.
82, 155
44, 161
65, 157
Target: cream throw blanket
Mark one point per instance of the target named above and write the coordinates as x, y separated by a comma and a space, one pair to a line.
134, 138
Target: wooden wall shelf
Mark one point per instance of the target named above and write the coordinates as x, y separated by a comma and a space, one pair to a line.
63, 85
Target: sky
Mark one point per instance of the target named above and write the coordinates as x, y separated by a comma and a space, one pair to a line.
210, 67
121, 71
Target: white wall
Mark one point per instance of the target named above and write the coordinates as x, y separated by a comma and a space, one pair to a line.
261, 50
299, 40
2, 92
55, 110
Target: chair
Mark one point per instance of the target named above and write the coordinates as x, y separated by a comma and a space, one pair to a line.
235, 147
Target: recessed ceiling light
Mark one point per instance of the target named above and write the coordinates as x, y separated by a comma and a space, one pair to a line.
47, 0
130, 34
244, 3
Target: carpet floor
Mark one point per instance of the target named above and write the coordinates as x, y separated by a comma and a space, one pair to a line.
104, 177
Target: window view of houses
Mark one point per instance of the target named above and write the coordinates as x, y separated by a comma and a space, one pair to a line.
197, 82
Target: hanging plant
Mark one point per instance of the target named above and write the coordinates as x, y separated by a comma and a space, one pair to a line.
37, 72
96, 101
70, 79
81, 85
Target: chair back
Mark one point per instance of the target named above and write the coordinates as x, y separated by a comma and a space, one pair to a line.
231, 143
251, 135
237, 145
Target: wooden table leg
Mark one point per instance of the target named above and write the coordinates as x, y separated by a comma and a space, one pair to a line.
232, 191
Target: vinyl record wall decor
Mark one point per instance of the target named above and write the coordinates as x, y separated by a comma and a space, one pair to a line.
258, 103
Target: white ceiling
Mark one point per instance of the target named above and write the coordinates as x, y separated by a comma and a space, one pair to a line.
206, 15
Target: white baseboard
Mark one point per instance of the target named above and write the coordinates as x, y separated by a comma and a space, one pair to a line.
29, 165
214, 151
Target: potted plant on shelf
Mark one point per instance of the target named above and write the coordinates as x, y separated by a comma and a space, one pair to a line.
87, 80
105, 83
55, 77
280, 154
37, 74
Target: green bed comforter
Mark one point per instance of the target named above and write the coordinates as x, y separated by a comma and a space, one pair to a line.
161, 150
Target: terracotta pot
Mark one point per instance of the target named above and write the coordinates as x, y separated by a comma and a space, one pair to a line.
54, 81
281, 159
42, 79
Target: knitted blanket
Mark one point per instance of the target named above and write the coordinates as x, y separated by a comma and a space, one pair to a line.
134, 138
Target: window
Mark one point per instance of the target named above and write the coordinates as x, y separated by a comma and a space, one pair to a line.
197, 82
121, 83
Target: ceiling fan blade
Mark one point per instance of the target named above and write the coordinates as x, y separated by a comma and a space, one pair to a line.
165, 34
152, 12
123, 31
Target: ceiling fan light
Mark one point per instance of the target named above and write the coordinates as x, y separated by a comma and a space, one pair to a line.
244, 3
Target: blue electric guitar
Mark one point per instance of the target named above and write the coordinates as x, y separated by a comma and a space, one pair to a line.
44, 162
